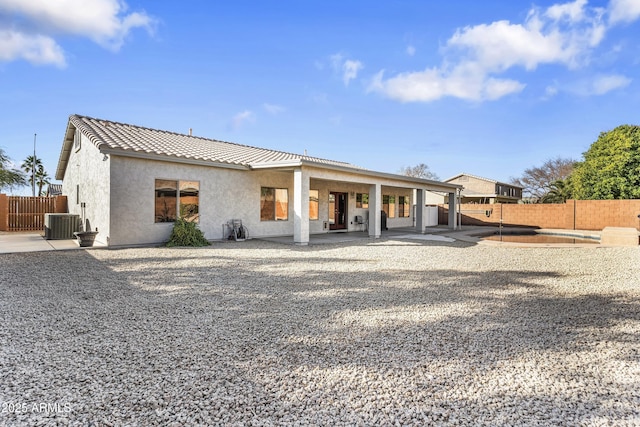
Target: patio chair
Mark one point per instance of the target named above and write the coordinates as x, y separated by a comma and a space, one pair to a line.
363, 223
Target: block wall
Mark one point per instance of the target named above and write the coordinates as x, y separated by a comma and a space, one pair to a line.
575, 214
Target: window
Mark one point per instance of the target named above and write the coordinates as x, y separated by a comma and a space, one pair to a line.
389, 206
190, 201
403, 207
168, 198
362, 200
314, 198
274, 204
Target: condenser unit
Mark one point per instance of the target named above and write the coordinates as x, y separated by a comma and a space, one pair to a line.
61, 226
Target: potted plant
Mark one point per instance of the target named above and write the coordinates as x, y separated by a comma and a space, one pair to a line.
87, 237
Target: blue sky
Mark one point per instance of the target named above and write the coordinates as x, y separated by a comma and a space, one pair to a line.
488, 88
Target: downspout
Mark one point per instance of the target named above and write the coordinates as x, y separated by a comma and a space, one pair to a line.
459, 208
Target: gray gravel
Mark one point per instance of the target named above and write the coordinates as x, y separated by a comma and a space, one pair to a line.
391, 332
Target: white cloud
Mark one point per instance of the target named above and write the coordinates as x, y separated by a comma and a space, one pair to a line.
347, 68
572, 11
432, 84
604, 84
106, 22
35, 49
240, 119
598, 85
550, 92
411, 50
336, 61
623, 11
350, 70
475, 57
273, 108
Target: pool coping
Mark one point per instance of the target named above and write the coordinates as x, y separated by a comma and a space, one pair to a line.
473, 235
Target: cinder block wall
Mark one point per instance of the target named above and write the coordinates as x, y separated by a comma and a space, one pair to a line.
575, 214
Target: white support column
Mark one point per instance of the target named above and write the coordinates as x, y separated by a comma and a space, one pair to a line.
421, 211
300, 207
375, 206
453, 206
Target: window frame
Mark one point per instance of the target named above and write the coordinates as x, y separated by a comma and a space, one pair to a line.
404, 207
178, 208
317, 203
362, 204
274, 217
390, 205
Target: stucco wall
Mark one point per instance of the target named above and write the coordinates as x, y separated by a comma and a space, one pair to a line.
225, 194
89, 170
352, 189
474, 185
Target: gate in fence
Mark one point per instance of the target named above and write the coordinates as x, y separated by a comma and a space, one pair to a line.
19, 213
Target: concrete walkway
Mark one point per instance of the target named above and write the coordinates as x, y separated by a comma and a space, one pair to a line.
435, 233
33, 242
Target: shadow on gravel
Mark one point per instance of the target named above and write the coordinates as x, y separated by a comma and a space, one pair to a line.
123, 339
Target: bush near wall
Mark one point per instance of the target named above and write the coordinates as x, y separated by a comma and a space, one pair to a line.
574, 214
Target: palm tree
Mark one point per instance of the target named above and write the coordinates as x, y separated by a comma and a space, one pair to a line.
30, 167
42, 179
559, 192
9, 177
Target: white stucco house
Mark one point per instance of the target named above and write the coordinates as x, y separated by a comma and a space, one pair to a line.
134, 181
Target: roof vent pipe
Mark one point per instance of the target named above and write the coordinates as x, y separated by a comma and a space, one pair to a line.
190, 132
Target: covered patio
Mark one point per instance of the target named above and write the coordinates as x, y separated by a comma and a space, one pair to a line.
376, 185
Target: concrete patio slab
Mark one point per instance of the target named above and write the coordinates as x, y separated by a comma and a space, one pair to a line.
33, 242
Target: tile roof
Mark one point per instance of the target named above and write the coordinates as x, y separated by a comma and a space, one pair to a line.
54, 190
137, 139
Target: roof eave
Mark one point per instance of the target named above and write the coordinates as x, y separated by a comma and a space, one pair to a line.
165, 158
65, 153
443, 186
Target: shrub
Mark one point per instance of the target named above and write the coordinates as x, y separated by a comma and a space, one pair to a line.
186, 233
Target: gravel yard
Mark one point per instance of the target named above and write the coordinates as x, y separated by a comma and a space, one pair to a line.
388, 332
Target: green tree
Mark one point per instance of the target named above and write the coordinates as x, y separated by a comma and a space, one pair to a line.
42, 179
558, 191
30, 167
611, 166
9, 177
419, 171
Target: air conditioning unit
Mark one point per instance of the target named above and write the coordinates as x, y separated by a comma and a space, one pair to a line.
61, 226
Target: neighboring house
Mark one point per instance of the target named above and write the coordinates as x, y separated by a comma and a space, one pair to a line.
134, 181
484, 190
54, 190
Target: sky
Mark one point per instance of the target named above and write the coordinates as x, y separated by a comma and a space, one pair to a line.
489, 88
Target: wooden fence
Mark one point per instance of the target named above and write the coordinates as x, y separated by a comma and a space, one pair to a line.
27, 213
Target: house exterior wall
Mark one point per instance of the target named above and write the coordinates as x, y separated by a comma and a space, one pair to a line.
497, 192
352, 189
474, 185
87, 180
225, 194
